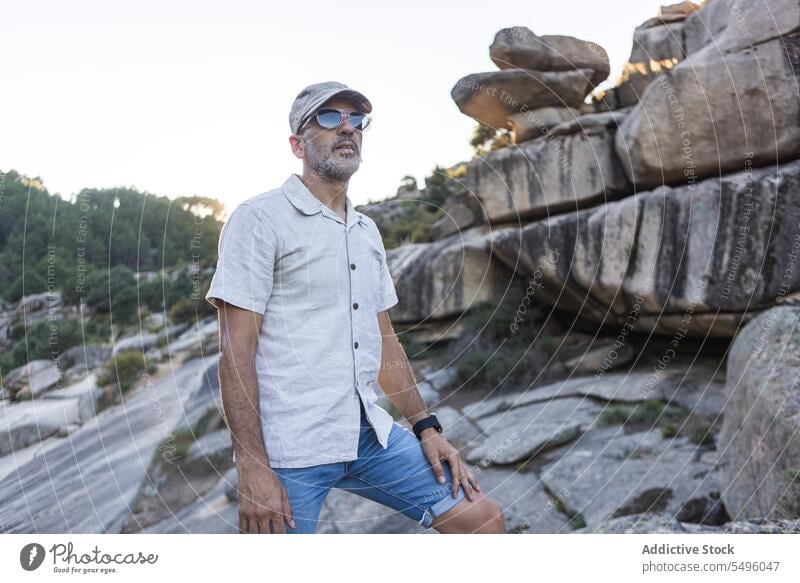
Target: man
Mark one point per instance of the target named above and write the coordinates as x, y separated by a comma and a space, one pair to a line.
302, 289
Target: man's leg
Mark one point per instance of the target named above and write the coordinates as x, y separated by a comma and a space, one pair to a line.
482, 515
401, 477
307, 489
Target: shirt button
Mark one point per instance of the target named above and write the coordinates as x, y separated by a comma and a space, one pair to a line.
352, 266
355, 306
356, 344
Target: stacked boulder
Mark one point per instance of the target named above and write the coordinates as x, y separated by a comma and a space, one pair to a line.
657, 46
542, 81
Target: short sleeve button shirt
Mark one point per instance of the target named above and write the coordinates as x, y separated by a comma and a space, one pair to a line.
319, 282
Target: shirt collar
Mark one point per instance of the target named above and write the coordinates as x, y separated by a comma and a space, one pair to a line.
308, 204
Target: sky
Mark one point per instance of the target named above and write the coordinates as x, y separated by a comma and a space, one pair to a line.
184, 98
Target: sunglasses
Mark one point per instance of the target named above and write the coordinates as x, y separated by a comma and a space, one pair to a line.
333, 118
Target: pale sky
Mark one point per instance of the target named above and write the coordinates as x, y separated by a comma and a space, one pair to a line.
192, 98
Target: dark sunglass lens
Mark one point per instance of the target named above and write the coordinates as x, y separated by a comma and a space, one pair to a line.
359, 120
329, 118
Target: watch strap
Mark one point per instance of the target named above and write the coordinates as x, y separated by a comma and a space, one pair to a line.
426, 423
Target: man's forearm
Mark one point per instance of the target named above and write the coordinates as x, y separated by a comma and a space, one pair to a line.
240, 401
396, 378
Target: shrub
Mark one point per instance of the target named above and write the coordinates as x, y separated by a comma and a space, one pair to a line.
125, 368
45, 339
702, 435
188, 310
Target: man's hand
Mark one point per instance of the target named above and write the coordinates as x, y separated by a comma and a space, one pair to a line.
438, 449
263, 503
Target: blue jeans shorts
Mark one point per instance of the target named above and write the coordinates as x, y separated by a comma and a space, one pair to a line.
399, 477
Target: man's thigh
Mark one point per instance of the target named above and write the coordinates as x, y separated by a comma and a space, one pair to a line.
306, 489
400, 477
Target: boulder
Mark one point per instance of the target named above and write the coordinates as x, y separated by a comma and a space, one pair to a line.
683, 261
591, 123
731, 25
84, 356
519, 48
38, 302
673, 137
535, 123
759, 438
32, 379
442, 279
490, 98
547, 176
460, 212
655, 49
141, 342
24, 424
605, 356
607, 474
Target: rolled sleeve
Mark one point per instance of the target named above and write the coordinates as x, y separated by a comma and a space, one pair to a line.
388, 294
248, 246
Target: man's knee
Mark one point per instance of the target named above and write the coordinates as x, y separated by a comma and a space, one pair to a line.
483, 515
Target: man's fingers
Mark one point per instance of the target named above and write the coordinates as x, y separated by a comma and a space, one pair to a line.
467, 486
473, 481
277, 524
436, 465
455, 470
287, 511
242, 523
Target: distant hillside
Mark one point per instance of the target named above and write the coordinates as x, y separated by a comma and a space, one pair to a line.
46, 240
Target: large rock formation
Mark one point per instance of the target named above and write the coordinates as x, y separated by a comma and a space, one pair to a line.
731, 104
760, 436
688, 260
549, 175
442, 279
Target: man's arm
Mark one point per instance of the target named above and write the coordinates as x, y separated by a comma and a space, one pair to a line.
263, 503
396, 378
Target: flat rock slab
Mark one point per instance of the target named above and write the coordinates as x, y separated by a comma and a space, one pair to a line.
522, 432
86, 483
346, 512
23, 424
699, 388
607, 474
526, 506
212, 513
458, 428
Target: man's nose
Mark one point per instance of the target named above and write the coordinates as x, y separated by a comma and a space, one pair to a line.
346, 127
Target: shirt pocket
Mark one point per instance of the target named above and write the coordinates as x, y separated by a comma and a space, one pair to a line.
376, 267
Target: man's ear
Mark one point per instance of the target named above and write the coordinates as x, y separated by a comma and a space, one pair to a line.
297, 146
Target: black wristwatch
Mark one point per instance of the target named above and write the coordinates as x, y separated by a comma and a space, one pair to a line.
423, 424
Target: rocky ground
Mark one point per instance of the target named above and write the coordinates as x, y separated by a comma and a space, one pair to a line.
633, 449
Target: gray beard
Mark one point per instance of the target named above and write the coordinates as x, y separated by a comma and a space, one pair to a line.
330, 166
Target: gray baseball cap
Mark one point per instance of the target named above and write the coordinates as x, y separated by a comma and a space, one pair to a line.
313, 96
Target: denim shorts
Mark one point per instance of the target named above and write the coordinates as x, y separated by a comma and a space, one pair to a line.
400, 477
